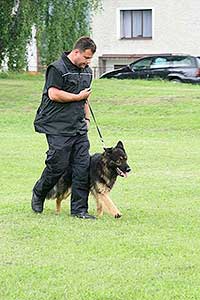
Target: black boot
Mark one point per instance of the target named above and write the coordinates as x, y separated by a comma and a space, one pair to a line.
84, 215
37, 203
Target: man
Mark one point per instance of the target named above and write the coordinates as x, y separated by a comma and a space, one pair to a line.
63, 116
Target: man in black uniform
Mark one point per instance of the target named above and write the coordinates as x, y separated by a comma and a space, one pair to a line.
63, 116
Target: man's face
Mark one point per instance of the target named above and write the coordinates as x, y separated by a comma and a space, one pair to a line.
83, 58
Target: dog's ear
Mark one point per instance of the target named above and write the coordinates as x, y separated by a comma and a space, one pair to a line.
120, 145
108, 150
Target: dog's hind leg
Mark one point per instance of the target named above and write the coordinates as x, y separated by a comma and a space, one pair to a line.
58, 205
59, 200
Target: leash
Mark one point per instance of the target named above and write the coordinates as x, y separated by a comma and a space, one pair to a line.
97, 127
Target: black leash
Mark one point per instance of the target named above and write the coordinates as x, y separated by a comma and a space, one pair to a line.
97, 127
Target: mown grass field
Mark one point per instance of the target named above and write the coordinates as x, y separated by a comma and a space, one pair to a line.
153, 251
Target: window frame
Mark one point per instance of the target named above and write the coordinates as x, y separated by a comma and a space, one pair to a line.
119, 14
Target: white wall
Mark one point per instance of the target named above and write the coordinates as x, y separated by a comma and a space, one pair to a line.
176, 28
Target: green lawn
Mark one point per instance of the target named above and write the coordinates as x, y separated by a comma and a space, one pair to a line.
153, 251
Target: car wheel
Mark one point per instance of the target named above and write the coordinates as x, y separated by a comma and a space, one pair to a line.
176, 80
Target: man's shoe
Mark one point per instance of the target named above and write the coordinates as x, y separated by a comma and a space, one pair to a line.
37, 203
84, 215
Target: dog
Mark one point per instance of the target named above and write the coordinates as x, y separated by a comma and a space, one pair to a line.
104, 169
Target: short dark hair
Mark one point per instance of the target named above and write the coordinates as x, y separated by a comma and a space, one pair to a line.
84, 43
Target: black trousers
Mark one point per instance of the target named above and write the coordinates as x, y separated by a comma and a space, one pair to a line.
65, 151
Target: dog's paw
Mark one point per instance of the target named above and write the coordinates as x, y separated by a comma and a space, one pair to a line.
118, 215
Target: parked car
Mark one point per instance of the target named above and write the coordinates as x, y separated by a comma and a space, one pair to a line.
177, 68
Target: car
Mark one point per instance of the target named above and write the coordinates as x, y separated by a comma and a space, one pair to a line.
173, 67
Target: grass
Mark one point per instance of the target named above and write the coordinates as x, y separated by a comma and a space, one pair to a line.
153, 251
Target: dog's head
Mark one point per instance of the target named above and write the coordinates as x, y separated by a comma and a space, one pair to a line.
117, 159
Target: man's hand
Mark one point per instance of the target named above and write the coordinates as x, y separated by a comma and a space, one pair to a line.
84, 94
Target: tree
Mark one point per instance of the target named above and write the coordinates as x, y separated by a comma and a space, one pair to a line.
63, 23
58, 23
19, 34
5, 20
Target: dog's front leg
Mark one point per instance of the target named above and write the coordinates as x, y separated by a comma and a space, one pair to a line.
98, 203
99, 207
109, 206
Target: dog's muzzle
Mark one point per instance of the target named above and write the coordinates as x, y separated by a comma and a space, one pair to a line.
122, 173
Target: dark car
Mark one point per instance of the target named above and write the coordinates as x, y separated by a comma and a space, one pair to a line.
177, 68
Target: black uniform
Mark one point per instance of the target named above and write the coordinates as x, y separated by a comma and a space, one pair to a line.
66, 131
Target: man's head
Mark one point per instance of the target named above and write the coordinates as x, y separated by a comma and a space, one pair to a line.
83, 51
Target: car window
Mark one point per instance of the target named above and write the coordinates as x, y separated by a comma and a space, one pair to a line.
141, 64
160, 62
198, 62
182, 61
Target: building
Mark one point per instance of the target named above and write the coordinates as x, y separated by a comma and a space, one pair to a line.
125, 30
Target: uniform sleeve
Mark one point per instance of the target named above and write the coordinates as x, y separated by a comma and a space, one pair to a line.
54, 79
91, 76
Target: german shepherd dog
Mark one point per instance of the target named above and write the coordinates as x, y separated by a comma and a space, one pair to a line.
104, 169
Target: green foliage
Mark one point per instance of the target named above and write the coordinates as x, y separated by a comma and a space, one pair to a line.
63, 23
5, 21
19, 34
58, 23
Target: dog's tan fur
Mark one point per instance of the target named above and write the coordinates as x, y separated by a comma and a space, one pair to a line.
103, 202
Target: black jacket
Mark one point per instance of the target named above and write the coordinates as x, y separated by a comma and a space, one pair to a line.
63, 118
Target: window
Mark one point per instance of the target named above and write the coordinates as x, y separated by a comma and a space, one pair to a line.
160, 62
141, 64
182, 61
136, 23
